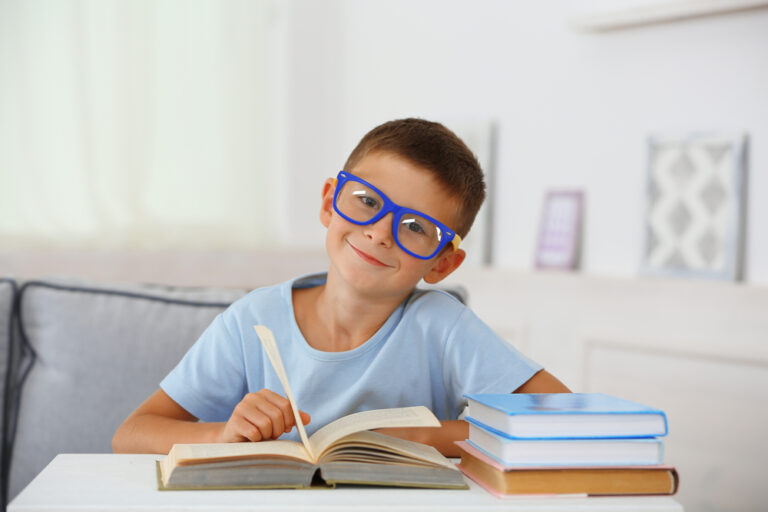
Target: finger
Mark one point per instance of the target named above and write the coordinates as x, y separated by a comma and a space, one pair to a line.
264, 424
251, 409
284, 405
273, 414
242, 420
244, 429
305, 418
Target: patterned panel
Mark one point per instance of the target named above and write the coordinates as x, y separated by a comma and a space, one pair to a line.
695, 206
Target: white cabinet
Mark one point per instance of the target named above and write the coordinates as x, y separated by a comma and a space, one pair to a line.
698, 350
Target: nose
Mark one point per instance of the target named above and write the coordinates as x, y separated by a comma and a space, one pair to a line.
380, 232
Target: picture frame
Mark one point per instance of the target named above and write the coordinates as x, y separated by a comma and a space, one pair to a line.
696, 206
560, 230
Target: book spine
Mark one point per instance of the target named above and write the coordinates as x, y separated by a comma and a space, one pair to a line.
513, 437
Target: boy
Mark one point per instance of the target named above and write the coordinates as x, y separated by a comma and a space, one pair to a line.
360, 337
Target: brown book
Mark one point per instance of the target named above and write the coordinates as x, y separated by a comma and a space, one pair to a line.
596, 481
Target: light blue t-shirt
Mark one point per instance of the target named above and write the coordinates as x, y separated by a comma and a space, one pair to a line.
430, 351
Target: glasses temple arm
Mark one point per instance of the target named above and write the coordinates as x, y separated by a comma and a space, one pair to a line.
456, 241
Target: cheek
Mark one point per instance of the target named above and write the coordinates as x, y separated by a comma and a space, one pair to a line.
335, 223
337, 230
415, 265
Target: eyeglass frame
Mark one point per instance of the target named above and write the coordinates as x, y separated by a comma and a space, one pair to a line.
389, 206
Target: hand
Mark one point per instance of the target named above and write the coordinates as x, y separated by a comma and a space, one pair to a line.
260, 416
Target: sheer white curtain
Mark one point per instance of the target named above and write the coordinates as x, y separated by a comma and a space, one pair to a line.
139, 124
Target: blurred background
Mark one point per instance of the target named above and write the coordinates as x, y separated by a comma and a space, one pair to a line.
185, 142
184, 126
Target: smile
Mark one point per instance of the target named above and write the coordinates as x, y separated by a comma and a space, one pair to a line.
367, 257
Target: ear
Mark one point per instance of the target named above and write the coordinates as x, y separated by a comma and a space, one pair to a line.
445, 264
326, 204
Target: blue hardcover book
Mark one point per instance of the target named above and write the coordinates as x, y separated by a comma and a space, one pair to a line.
564, 416
566, 452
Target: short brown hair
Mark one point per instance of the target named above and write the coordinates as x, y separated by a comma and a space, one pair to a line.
436, 148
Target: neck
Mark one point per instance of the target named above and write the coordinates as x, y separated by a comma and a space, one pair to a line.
340, 318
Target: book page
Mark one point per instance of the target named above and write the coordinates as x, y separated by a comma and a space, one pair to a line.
412, 452
418, 416
186, 454
268, 340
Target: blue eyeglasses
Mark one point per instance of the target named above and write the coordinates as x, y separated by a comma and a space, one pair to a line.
418, 234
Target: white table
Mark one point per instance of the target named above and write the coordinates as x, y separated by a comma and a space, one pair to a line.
122, 483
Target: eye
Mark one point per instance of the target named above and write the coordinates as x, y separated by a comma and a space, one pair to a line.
415, 227
369, 201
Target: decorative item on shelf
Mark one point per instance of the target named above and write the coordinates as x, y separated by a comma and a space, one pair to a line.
696, 206
559, 245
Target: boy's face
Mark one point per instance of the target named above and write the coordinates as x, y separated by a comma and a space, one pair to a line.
367, 257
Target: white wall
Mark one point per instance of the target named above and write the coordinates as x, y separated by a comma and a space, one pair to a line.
573, 109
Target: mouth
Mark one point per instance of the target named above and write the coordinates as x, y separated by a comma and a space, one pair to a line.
367, 257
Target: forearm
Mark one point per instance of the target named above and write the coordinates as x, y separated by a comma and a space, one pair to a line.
543, 382
150, 433
442, 438
445, 437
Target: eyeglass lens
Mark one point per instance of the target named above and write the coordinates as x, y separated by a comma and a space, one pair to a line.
414, 232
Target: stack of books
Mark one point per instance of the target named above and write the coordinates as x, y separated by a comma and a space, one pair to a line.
565, 443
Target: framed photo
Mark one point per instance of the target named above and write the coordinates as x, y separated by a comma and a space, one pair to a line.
559, 245
696, 203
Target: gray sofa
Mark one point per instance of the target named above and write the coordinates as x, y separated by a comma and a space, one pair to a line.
76, 358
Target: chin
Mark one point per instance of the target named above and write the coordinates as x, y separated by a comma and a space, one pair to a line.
365, 281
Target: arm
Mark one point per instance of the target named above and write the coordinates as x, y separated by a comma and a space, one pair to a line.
543, 382
444, 438
160, 422
157, 424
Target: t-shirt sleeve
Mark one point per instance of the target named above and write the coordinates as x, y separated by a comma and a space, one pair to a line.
209, 381
477, 360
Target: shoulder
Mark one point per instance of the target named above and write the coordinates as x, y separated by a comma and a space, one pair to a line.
265, 304
431, 299
441, 312
263, 294
270, 305
277, 295
435, 309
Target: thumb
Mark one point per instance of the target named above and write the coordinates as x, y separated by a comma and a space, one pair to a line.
304, 417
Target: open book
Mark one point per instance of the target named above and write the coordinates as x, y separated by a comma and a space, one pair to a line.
342, 452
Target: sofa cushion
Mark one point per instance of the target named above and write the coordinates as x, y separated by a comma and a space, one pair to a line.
95, 353
7, 295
